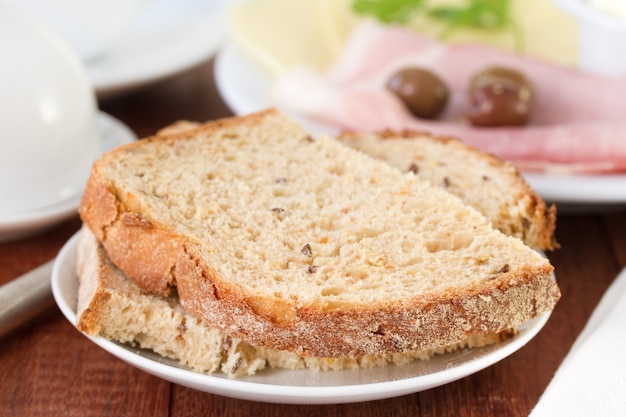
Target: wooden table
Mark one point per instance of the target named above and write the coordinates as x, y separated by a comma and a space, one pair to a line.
49, 368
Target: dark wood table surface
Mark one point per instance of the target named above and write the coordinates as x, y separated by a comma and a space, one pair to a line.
48, 368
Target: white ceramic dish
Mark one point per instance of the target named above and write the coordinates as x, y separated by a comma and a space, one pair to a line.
113, 133
297, 386
167, 37
245, 87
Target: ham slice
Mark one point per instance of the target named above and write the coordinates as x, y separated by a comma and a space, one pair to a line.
578, 122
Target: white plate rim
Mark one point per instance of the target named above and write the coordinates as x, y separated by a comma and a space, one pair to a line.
114, 133
64, 282
245, 87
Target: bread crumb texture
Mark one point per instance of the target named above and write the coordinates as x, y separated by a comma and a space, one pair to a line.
492, 186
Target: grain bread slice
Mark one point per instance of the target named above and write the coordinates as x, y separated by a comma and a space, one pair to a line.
492, 186
112, 306
301, 244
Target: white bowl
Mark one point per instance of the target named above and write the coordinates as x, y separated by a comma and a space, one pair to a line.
602, 35
48, 116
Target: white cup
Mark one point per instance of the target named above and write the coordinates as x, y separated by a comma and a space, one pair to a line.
90, 26
602, 37
49, 135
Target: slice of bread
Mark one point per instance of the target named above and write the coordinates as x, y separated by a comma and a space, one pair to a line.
302, 244
113, 307
490, 185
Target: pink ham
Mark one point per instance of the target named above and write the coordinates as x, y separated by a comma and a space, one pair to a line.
578, 122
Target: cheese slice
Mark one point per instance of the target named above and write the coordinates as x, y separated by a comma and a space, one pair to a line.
280, 34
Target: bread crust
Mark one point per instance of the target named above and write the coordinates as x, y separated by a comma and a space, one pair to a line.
386, 328
157, 257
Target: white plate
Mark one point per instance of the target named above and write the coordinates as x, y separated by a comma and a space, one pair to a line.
297, 386
113, 133
245, 87
167, 37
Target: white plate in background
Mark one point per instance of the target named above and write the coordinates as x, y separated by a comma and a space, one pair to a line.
167, 37
296, 386
245, 87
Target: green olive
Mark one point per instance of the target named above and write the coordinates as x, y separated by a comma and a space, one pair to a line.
499, 96
423, 93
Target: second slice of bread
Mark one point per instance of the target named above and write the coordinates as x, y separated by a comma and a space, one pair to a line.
305, 245
492, 186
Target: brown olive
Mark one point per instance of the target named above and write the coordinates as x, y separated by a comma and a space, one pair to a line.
499, 96
423, 93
